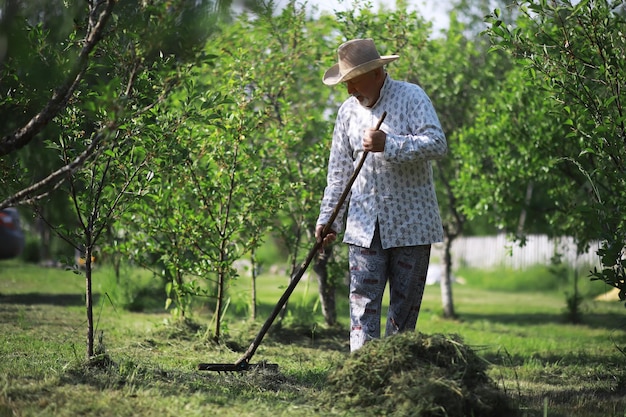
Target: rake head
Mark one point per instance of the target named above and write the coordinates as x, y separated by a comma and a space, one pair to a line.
237, 367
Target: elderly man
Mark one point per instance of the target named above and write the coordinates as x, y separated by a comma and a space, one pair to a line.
393, 215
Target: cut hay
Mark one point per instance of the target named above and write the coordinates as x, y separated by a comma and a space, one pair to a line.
612, 295
413, 374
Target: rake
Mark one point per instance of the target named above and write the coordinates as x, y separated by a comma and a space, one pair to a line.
243, 363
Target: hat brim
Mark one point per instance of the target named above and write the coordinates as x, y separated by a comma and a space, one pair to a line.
334, 76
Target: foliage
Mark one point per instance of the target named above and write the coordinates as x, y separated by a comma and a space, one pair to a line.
505, 153
109, 68
574, 54
273, 58
103, 61
200, 212
235, 181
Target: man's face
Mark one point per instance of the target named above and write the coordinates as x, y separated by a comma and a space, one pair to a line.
365, 87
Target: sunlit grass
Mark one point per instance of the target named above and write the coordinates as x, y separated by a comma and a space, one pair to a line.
533, 351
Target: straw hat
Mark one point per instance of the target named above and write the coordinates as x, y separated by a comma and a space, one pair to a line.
355, 57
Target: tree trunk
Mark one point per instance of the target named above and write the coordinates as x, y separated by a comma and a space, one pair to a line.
89, 302
294, 269
253, 274
44, 240
218, 308
326, 287
180, 293
522, 217
446, 280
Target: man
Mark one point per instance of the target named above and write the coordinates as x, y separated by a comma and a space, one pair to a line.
393, 215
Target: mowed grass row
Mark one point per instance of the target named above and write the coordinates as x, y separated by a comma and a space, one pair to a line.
536, 356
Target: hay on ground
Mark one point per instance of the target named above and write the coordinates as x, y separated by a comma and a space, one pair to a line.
413, 374
612, 295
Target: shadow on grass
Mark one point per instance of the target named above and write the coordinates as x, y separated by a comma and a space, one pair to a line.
583, 402
300, 326
593, 320
581, 380
146, 300
574, 359
577, 402
173, 382
334, 338
33, 298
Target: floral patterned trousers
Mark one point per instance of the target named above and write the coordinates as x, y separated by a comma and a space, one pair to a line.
371, 268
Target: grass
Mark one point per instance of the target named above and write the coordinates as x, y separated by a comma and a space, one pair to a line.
549, 367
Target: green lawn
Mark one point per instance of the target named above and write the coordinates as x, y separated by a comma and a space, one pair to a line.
536, 357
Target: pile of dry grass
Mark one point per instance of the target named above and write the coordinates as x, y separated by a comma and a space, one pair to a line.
413, 374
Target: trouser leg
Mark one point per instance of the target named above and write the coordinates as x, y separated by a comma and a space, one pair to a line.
408, 267
368, 269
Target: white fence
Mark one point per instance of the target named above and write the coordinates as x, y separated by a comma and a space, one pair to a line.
497, 251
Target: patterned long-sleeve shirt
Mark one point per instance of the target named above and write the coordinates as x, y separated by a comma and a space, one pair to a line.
394, 187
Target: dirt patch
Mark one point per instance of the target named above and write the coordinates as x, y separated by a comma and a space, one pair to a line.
413, 374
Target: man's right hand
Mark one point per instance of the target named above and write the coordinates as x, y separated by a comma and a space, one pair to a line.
328, 239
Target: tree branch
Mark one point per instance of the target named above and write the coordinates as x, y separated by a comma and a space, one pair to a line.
55, 179
22, 136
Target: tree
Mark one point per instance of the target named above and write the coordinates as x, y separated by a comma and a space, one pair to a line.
110, 67
242, 171
574, 55
274, 58
98, 193
65, 37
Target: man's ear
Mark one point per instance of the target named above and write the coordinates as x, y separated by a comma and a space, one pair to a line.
380, 73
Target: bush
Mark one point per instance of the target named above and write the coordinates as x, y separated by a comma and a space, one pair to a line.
134, 290
31, 252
